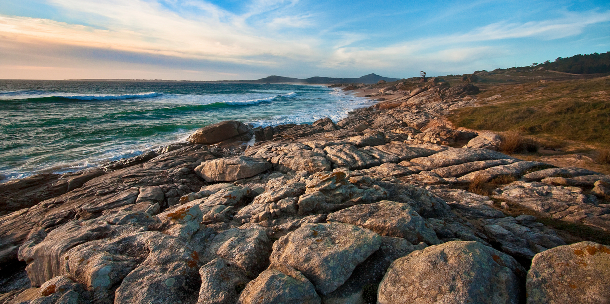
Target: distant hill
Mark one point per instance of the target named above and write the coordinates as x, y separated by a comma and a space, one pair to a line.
367, 79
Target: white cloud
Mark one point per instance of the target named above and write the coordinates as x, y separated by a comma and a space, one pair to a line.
290, 21
463, 47
146, 26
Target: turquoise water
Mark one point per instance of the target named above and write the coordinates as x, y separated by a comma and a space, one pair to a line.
59, 126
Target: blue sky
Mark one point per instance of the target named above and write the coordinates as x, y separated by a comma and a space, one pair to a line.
215, 40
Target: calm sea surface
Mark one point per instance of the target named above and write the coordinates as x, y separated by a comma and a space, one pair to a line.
60, 126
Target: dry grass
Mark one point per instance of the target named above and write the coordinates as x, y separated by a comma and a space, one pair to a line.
603, 157
513, 142
483, 184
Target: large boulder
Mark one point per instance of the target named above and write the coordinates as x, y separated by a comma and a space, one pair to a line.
275, 286
231, 169
485, 140
220, 132
576, 273
220, 282
454, 272
388, 218
326, 254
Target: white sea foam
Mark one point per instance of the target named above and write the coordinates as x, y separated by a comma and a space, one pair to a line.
110, 96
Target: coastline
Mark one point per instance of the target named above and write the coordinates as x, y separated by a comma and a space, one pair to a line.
66, 162
388, 182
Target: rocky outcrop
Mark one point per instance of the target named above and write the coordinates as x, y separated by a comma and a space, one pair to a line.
454, 272
310, 213
564, 203
221, 131
231, 169
570, 274
326, 254
388, 219
275, 286
485, 140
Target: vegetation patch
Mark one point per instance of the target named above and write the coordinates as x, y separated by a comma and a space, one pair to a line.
513, 142
482, 184
574, 110
603, 157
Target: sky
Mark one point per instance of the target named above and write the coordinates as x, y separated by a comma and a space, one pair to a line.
251, 39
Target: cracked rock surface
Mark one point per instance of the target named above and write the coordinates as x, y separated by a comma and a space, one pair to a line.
375, 207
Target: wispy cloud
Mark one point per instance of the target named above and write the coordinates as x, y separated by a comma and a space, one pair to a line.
281, 33
465, 46
141, 26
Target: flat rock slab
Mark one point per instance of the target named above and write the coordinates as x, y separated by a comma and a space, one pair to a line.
246, 248
454, 156
557, 172
485, 140
350, 157
388, 218
291, 157
564, 203
231, 169
521, 237
576, 273
463, 169
515, 169
219, 132
326, 254
454, 272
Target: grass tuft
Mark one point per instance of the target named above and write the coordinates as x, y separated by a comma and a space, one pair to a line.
483, 184
513, 142
603, 157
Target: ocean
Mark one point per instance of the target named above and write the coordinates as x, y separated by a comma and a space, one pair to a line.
63, 126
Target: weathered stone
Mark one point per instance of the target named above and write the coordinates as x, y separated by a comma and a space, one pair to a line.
388, 218
563, 203
576, 273
453, 156
326, 254
231, 169
368, 139
462, 169
386, 170
230, 196
168, 274
361, 287
101, 265
43, 253
515, 169
521, 239
183, 220
485, 140
331, 191
151, 194
424, 202
350, 157
246, 248
220, 282
111, 201
275, 286
292, 157
454, 272
602, 189
61, 289
403, 151
556, 172
219, 132
468, 203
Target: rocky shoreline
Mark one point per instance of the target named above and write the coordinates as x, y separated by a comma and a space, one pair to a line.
373, 208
